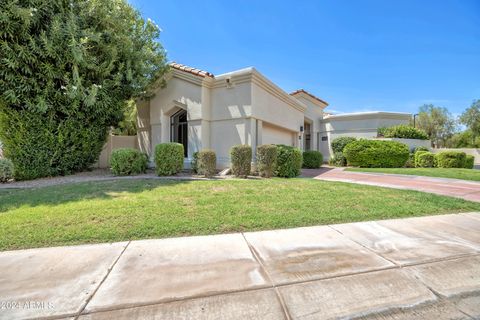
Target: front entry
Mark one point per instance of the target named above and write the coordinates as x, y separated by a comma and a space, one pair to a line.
179, 129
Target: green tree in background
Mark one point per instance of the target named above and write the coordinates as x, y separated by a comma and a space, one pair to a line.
128, 126
67, 70
437, 122
471, 119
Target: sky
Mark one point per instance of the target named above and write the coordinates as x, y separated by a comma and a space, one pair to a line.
358, 55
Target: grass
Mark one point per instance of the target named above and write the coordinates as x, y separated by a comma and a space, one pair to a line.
454, 173
135, 209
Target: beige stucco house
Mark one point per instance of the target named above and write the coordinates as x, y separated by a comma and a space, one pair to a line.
203, 111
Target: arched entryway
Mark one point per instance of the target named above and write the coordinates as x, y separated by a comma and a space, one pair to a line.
179, 129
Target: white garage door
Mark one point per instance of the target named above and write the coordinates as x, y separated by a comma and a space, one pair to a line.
276, 135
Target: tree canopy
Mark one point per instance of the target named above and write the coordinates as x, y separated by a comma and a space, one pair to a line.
437, 122
67, 70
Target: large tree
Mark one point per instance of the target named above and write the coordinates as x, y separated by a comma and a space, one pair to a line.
471, 119
437, 122
67, 68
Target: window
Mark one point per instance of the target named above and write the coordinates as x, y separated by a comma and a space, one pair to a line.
179, 129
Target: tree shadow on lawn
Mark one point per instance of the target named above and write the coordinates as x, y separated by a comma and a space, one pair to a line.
11, 199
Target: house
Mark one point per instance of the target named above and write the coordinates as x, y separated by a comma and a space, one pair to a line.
203, 111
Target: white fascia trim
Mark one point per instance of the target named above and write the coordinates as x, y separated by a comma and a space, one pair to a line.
369, 115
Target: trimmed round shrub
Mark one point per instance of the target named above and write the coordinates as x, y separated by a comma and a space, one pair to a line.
469, 161
424, 159
338, 160
403, 131
289, 161
416, 149
194, 163
6, 170
206, 163
128, 161
312, 159
266, 160
411, 161
241, 157
168, 158
376, 154
451, 159
338, 144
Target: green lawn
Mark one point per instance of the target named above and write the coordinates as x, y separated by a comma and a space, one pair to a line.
454, 173
136, 209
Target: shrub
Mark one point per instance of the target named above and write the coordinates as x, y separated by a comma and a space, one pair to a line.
207, 163
6, 170
312, 159
338, 160
168, 158
424, 159
469, 161
241, 157
289, 161
451, 159
128, 161
266, 159
72, 65
376, 154
338, 144
403, 131
194, 163
416, 149
411, 161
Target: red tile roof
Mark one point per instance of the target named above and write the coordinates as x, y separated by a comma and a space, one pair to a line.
308, 94
191, 70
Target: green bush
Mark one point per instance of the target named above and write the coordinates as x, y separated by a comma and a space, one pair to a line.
266, 160
402, 131
424, 159
168, 158
469, 161
451, 159
338, 144
128, 161
312, 159
411, 161
241, 157
416, 149
338, 160
289, 161
6, 170
207, 163
67, 70
194, 163
376, 154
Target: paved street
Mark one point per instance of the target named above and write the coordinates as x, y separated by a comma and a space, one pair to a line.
416, 268
468, 190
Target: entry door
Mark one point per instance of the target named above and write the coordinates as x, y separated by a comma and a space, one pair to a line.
179, 130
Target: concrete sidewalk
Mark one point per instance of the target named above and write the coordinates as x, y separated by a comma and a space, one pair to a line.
416, 268
468, 190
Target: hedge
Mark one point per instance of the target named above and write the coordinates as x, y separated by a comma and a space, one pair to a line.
469, 161
376, 154
451, 159
338, 160
312, 159
266, 160
241, 158
289, 161
194, 163
128, 161
416, 149
338, 144
169, 158
424, 159
6, 170
402, 131
207, 163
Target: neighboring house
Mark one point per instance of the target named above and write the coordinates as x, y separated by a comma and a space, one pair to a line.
203, 111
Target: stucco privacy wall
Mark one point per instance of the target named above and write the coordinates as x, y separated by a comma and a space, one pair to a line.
411, 143
359, 125
114, 142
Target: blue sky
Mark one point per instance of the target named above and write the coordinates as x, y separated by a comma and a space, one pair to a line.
357, 55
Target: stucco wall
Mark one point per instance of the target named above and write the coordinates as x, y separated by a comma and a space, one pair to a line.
411, 143
276, 135
115, 142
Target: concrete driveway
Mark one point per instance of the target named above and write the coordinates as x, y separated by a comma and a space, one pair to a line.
468, 190
416, 268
